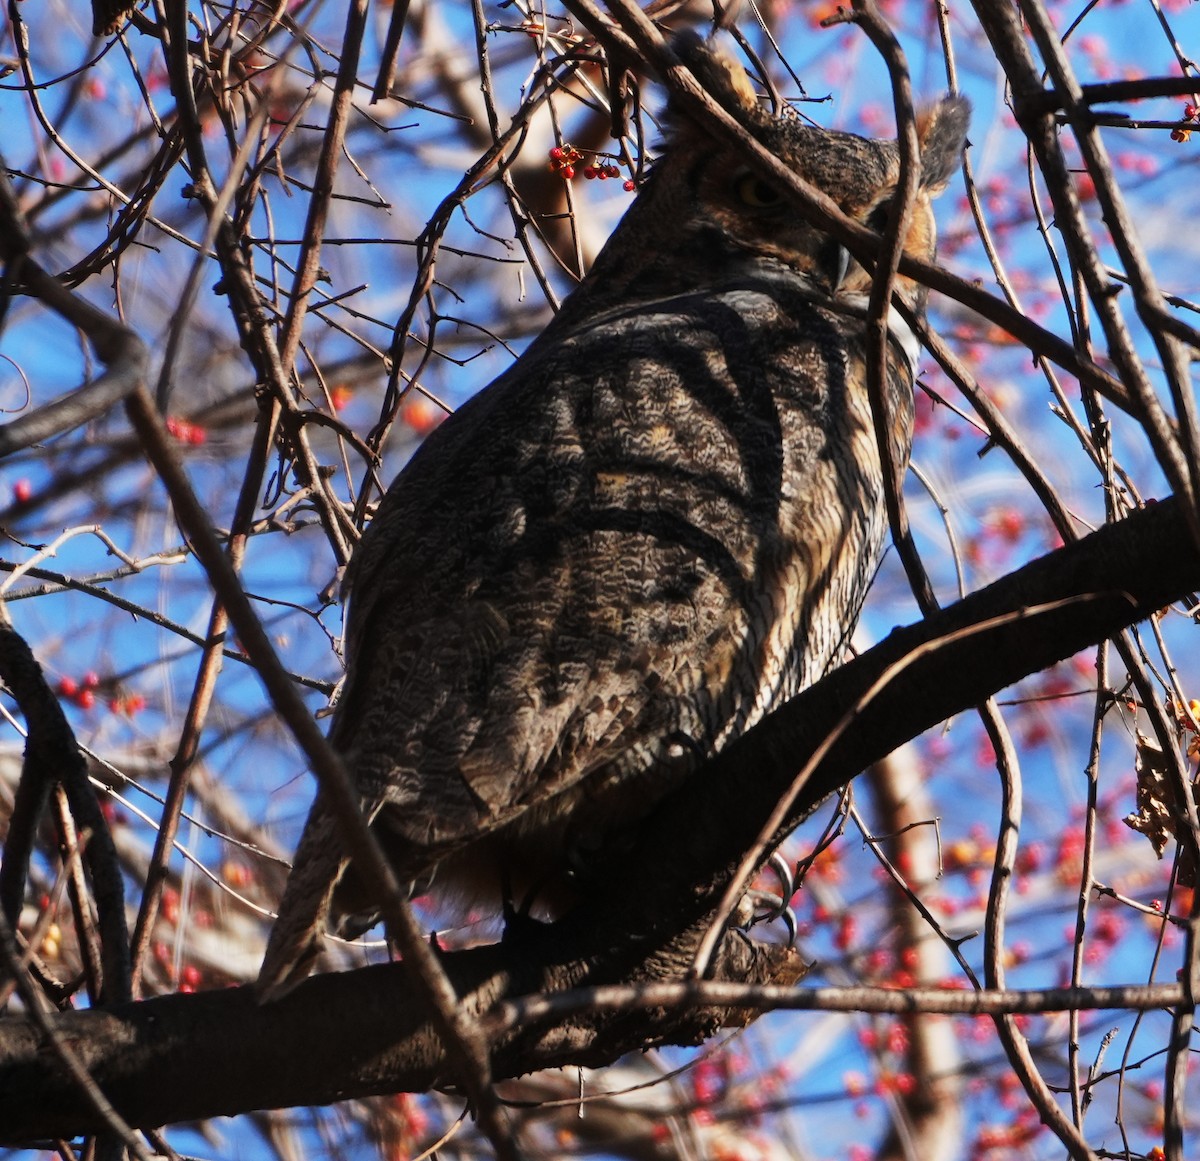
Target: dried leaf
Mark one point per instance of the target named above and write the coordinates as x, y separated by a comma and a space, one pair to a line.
1160, 815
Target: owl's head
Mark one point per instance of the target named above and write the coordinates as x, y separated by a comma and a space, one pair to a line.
704, 213
727, 199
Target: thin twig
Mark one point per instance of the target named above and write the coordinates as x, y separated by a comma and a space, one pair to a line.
764, 997
884, 415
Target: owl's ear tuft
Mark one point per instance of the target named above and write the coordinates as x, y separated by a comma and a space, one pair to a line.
725, 80
942, 129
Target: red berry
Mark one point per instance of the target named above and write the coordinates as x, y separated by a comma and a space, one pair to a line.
85, 699
421, 414
22, 491
630, 185
91, 679
556, 154
846, 933
591, 171
236, 874
568, 171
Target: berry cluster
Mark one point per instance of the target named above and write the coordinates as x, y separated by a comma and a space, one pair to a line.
1191, 112
563, 160
81, 692
127, 704
84, 691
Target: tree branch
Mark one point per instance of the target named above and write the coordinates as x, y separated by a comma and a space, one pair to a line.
364, 1032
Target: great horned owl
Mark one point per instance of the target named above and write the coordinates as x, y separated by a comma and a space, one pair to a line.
655, 527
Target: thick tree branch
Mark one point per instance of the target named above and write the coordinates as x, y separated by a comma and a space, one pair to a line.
363, 1032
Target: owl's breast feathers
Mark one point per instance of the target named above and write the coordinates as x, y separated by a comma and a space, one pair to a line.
671, 516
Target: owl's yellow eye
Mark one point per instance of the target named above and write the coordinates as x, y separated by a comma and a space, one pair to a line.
752, 191
877, 219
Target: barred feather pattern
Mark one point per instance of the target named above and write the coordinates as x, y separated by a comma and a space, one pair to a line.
651, 531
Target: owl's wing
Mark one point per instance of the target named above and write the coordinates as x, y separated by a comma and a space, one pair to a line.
494, 610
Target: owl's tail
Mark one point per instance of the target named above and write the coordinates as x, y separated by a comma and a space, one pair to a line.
299, 931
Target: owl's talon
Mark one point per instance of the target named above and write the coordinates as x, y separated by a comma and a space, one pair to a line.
786, 875
779, 904
765, 906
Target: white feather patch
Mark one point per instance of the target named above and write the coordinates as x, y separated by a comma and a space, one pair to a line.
899, 330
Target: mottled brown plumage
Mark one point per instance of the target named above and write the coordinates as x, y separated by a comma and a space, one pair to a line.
658, 525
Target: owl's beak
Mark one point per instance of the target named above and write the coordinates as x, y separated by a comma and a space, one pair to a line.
843, 268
